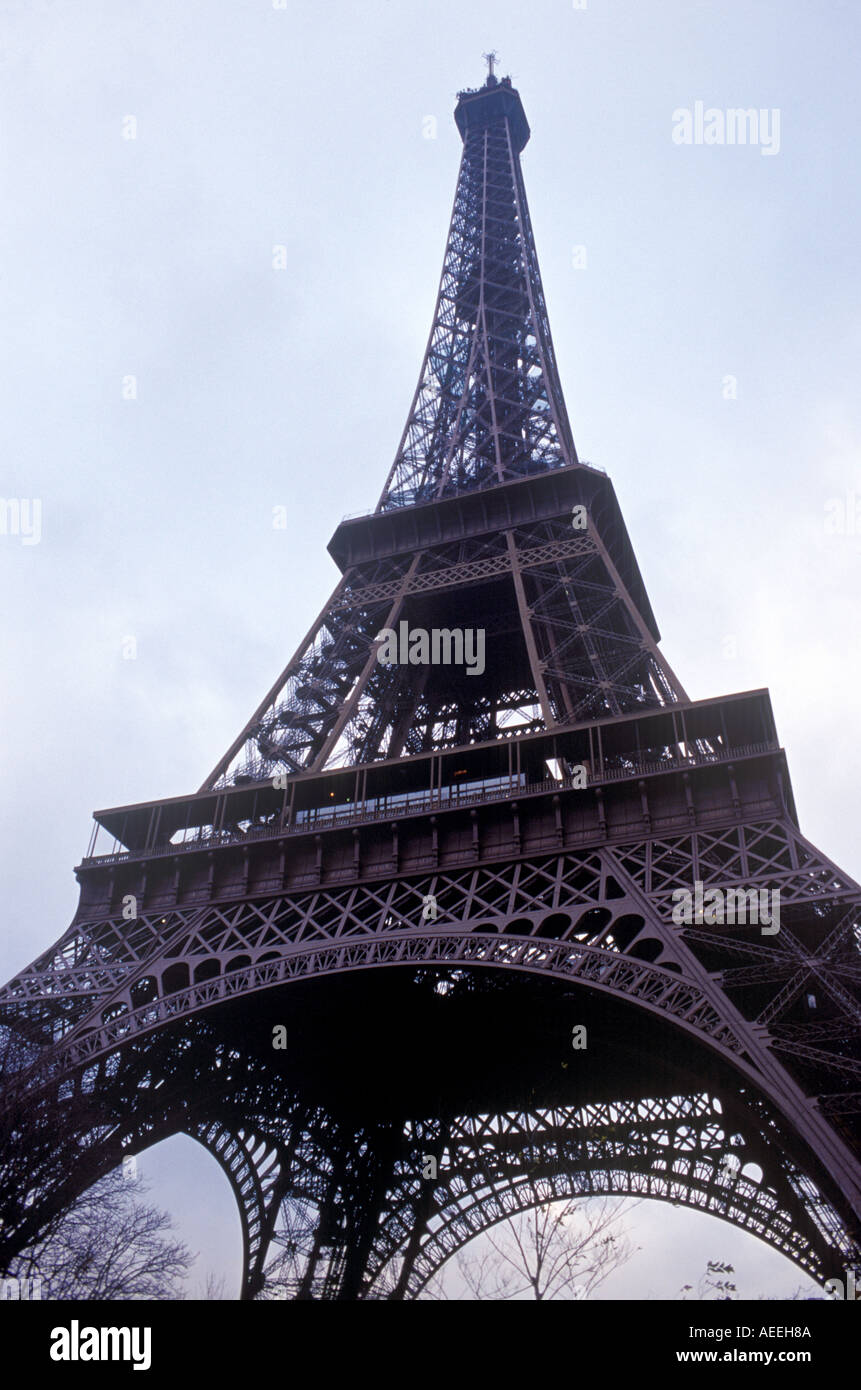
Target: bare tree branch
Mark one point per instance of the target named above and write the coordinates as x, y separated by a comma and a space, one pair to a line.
556, 1250
108, 1245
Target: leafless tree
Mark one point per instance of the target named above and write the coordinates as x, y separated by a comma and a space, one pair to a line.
107, 1245
713, 1284
556, 1250
212, 1290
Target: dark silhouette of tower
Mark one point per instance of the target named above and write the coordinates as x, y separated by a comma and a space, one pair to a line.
476, 821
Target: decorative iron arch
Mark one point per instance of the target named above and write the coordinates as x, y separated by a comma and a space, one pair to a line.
574, 1152
501, 1203
683, 1002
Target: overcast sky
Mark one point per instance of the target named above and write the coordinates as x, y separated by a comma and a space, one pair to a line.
306, 127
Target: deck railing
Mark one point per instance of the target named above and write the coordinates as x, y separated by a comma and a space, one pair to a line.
394, 808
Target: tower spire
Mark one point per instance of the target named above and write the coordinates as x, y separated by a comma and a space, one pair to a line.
489, 406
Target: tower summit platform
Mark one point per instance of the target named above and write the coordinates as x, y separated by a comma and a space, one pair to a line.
484, 106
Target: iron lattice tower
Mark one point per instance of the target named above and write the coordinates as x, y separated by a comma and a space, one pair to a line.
401, 865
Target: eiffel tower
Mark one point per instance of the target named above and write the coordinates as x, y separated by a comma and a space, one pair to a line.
359, 965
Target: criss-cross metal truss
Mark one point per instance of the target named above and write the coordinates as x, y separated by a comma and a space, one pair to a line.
403, 865
485, 1168
489, 406
566, 643
675, 1149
